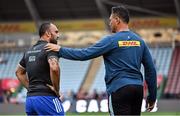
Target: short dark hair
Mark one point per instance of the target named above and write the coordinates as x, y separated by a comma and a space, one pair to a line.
43, 28
122, 12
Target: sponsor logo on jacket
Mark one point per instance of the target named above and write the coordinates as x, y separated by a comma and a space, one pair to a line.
128, 43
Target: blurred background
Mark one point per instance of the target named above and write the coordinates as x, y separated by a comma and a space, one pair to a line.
81, 24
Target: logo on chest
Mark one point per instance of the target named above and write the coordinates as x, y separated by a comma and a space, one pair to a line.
32, 58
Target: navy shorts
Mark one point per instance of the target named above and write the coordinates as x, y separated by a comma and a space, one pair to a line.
44, 105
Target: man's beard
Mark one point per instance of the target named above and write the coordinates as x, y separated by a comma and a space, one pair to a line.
113, 30
54, 41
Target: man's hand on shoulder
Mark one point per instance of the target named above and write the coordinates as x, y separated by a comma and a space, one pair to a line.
52, 47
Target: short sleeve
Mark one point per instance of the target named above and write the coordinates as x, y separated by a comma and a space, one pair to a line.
51, 54
22, 62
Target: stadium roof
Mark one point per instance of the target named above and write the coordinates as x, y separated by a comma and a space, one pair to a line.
20, 10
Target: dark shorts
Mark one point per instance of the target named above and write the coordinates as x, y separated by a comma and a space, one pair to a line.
126, 100
44, 105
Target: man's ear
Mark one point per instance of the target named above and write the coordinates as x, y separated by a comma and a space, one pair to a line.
118, 20
48, 33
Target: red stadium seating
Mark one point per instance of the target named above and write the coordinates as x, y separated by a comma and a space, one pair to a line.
173, 83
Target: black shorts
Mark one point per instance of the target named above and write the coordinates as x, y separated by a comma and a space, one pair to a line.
126, 100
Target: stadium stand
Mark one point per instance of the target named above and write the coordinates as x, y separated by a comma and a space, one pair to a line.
159, 35
172, 87
162, 59
178, 36
85, 38
72, 74
81, 38
99, 83
91, 74
7, 70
